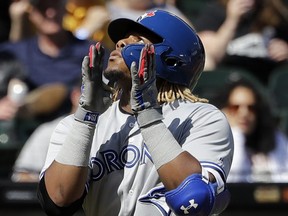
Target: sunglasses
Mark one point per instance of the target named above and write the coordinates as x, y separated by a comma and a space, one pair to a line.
235, 107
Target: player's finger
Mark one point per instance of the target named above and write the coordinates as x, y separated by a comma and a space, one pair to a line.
91, 56
99, 56
151, 63
96, 56
143, 63
134, 73
96, 53
85, 66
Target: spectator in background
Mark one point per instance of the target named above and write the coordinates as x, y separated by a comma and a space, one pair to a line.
251, 34
53, 55
260, 149
33, 154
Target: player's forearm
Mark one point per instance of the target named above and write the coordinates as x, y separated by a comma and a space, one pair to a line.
66, 177
65, 183
173, 173
173, 164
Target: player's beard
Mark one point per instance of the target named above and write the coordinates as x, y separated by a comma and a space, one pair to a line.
115, 75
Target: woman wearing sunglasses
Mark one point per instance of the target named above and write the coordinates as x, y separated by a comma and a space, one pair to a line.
260, 153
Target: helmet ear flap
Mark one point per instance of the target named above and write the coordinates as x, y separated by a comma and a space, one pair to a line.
131, 52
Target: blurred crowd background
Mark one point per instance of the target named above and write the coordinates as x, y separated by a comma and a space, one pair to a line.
43, 43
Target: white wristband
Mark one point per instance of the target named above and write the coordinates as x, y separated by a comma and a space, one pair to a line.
77, 145
161, 144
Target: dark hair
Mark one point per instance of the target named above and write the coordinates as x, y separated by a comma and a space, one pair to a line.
263, 137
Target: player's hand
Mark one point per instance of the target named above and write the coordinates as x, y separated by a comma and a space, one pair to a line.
144, 91
95, 95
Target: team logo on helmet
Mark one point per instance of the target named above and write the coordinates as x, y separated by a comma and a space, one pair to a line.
148, 14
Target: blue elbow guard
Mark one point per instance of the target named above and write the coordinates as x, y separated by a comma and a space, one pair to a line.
192, 197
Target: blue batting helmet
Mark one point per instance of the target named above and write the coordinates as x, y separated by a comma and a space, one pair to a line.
180, 55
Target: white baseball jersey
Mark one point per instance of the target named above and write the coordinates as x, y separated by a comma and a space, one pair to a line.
122, 179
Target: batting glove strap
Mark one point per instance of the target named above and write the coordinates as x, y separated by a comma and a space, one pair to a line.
149, 116
86, 116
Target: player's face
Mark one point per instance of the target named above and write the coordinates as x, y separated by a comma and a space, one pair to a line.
241, 109
117, 69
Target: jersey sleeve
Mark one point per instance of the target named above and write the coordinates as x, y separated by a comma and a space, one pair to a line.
56, 141
207, 136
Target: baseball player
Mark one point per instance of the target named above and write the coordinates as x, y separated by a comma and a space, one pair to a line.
156, 149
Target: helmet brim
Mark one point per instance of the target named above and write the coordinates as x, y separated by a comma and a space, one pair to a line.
120, 28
